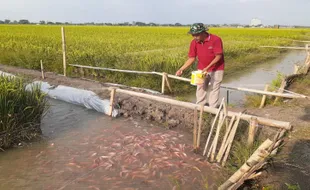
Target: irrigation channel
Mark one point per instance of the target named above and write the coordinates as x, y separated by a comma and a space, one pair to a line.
256, 77
84, 149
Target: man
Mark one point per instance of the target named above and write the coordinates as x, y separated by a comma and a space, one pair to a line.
208, 48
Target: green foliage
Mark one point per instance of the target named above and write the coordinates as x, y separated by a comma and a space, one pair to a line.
276, 83
254, 100
240, 154
292, 187
20, 111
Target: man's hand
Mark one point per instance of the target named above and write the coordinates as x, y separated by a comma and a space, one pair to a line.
179, 72
205, 70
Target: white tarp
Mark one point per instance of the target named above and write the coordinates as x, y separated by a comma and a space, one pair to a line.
76, 96
6, 74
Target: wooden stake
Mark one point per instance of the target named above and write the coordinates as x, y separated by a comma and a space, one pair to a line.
213, 124
111, 101
212, 144
167, 82
262, 104
42, 70
221, 122
225, 114
228, 129
258, 156
230, 139
199, 126
195, 129
64, 50
296, 69
163, 84
281, 90
252, 129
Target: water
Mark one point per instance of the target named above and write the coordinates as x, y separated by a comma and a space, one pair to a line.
84, 149
257, 76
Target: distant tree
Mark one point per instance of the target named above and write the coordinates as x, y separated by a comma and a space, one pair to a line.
7, 21
152, 24
49, 22
58, 23
177, 24
23, 21
67, 23
1, 22
42, 22
140, 24
15, 22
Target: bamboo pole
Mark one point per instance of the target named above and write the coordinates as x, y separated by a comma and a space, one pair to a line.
261, 120
211, 129
199, 126
225, 113
281, 90
284, 47
221, 151
167, 82
259, 155
64, 50
216, 137
212, 144
195, 129
163, 84
301, 41
296, 69
262, 104
252, 129
111, 101
264, 92
230, 139
42, 69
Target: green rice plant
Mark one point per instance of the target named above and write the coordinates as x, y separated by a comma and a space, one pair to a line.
20, 111
161, 49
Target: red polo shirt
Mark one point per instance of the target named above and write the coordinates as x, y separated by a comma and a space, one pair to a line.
206, 52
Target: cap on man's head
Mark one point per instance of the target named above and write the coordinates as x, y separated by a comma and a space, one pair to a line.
197, 28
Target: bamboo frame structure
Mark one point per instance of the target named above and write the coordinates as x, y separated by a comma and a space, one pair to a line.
283, 95
261, 120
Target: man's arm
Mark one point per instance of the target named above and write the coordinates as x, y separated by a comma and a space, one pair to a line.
189, 61
213, 62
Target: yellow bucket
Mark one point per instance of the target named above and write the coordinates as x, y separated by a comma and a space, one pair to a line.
197, 77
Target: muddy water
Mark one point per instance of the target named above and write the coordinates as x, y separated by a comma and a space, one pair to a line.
256, 77
84, 149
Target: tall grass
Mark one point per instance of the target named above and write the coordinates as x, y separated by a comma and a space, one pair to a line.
20, 111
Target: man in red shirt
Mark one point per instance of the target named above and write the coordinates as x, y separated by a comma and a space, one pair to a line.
208, 49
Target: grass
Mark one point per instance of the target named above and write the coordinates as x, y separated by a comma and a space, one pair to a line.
20, 112
255, 100
162, 49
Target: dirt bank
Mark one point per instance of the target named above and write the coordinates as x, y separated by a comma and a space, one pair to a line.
290, 168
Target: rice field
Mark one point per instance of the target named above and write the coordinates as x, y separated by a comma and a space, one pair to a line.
162, 49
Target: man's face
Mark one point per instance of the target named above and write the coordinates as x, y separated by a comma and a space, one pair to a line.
198, 37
